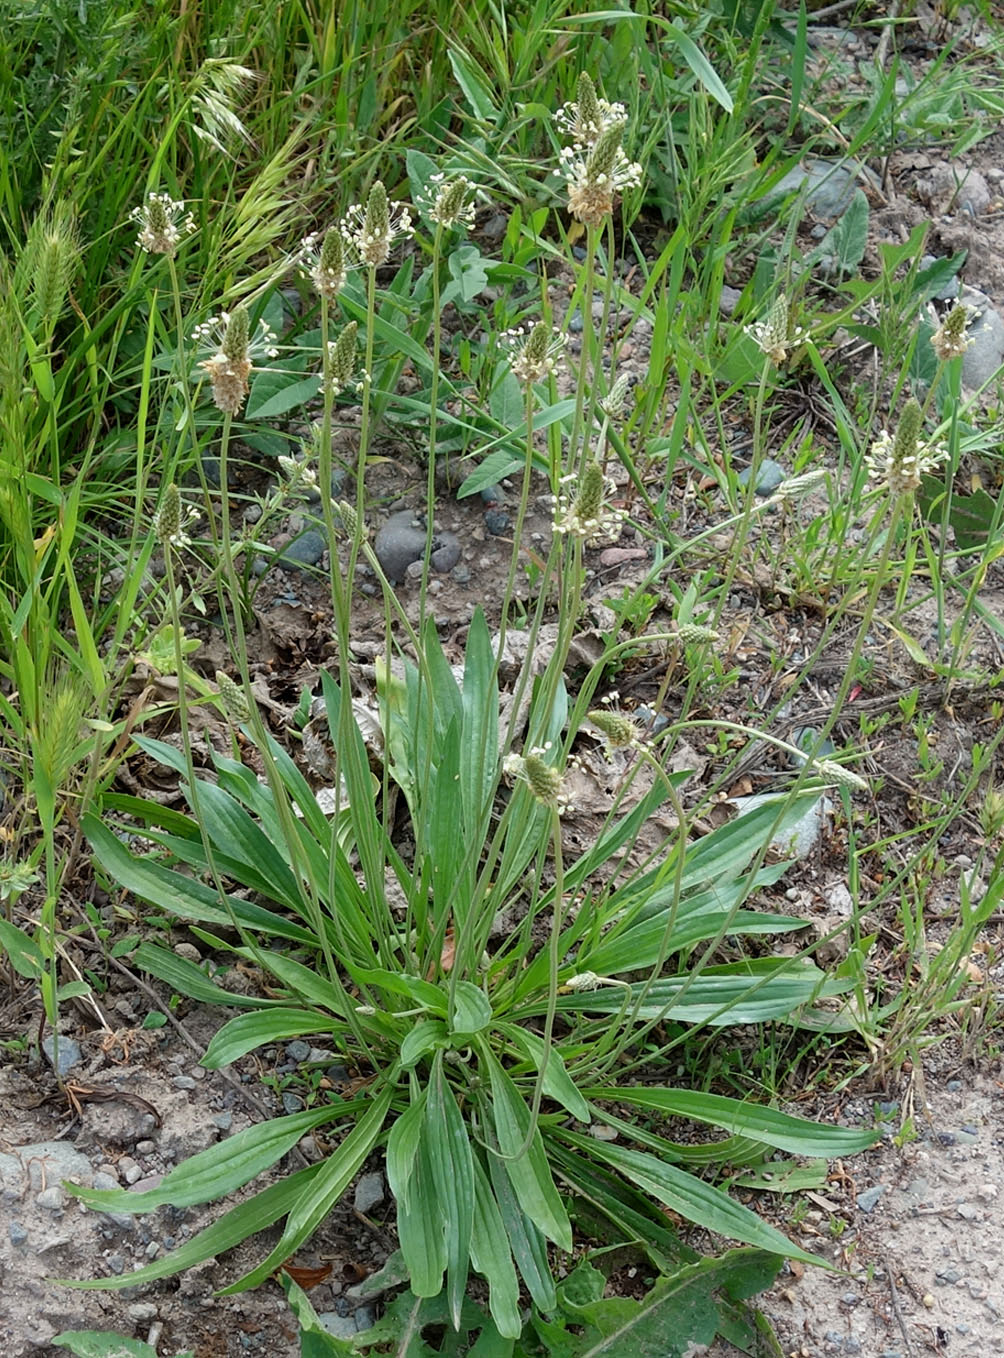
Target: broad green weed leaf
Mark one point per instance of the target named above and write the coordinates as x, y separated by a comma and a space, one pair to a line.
421, 1224
402, 1149
102, 1344
472, 1010
492, 1257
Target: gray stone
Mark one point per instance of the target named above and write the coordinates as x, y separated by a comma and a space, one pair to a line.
18, 1234
292, 1103
304, 551
828, 188
298, 1050
983, 359
45, 1163
141, 1311
770, 474
400, 543
104, 1182
52, 1199
728, 299
116, 1264
369, 1192
183, 1082
224, 1121
365, 1317
868, 1200
801, 837
342, 1327
497, 521
69, 1054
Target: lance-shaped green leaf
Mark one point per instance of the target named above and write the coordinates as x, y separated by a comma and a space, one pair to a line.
453, 1177
691, 1198
796, 1135
421, 1223
219, 1169
522, 1155
492, 1257
248, 1031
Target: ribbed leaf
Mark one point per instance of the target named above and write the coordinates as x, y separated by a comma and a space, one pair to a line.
798, 1136
402, 1149
691, 1198
453, 1176
479, 749
188, 979
420, 1225
528, 1245
472, 1009
492, 1257
219, 1170
558, 1084
522, 1153
248, 1031
313, 1205
258, 1213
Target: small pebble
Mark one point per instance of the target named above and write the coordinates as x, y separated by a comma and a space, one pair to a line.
224, 1121
369, 1192
142, 1311
868, 1200
304, 551
18, 1234
953, 1086
146, 1147
183, 1082
51, 1198
116, 1263
497, 521
292, 1103
298, 1050
770, 474
69, 1054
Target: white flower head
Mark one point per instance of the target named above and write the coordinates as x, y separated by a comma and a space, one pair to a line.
950, 339
534, 355
586, 513
901, 461
776, 337
545, 781
233, 353
596, 174
163, 224
322, 260
373, 229
447, 201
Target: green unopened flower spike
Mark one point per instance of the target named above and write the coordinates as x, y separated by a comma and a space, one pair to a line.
835, 773
235, 703
167, 520
342, 359
347, 519
614, 402
545, 782
693, 634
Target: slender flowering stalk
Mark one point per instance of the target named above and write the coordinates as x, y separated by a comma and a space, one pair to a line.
950, 339
236, 354
163, 224
776, 337
372, 230
324, 264
901, 461
596, 174
534, 356
588, 116
588, 516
